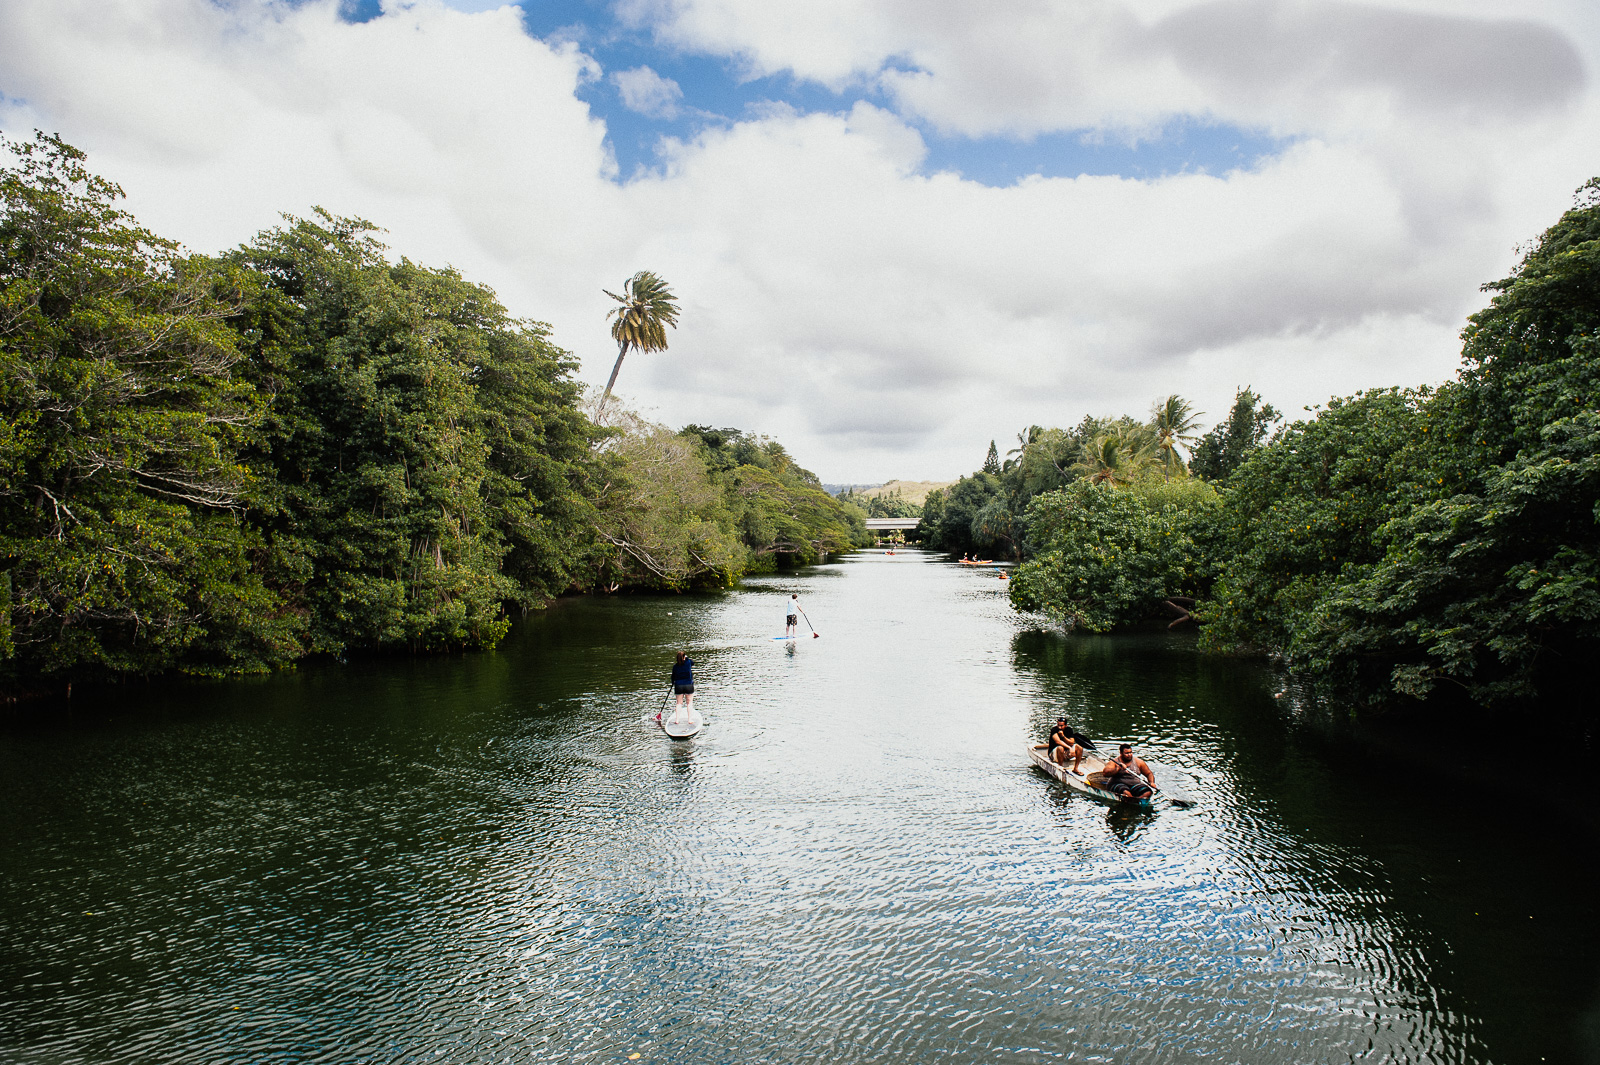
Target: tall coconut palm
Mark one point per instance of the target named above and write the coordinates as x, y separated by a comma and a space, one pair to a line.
1108, 459
1174, 422
639, 324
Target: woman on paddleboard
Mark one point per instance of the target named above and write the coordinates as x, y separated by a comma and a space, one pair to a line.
683, 681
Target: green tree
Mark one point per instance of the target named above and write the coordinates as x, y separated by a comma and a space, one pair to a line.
991, 461
1222, 449
120, 416
1489, 580
417, 443
969, 519
1116, 457
640, 323
1106, 556
1173, 421
1308, 508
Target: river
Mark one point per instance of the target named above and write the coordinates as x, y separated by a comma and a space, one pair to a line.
499, 858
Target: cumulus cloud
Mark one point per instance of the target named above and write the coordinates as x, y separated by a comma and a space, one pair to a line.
1036, 66
883, 321
648, 93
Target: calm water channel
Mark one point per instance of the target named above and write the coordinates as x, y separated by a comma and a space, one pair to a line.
495, 859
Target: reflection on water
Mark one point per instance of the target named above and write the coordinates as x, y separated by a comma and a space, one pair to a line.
501, 857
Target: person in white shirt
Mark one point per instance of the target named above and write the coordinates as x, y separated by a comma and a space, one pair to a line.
791, 620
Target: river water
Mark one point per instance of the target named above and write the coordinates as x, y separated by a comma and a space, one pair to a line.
499, 858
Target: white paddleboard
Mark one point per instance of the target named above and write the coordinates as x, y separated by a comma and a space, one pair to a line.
681, 723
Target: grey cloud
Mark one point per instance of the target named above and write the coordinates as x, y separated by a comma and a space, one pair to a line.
1430, 63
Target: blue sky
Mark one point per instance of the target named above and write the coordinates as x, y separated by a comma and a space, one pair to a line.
714, 94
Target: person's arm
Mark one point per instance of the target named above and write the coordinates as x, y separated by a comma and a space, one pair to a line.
1144, 767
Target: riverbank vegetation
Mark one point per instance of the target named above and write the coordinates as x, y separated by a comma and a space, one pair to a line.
222, 464
1398, 544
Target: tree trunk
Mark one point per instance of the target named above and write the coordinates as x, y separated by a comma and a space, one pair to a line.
622, 350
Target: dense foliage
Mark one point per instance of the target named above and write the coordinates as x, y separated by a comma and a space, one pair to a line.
883, 505
703, 506
121, 498
421, 454
987, 513
1103, 556
1245, 428
1398, 541
222, 464
1485, 575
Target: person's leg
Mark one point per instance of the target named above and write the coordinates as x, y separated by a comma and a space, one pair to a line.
1077, 756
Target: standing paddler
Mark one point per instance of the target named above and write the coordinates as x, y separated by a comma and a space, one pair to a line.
683, 683
791, 618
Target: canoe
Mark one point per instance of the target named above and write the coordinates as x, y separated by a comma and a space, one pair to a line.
1065, 775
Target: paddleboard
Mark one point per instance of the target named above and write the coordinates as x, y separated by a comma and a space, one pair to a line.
680, 724
786, 637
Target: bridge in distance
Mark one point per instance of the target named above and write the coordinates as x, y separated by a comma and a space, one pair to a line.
891, 524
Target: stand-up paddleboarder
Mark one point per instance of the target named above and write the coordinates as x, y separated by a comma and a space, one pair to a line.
683, 683
791, 620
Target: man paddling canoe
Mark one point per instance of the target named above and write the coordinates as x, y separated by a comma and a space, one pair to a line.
1127, 776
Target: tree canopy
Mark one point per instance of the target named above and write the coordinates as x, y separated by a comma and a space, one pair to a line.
217, 464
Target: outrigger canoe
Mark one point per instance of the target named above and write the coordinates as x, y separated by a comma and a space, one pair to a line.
1065, 775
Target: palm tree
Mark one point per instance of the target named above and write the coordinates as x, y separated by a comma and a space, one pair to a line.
648, 307
1174, 422
1024, 441
1113, 458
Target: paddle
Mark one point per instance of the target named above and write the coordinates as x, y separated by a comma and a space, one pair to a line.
1178, 799
1177, 796
815, 635
665, 703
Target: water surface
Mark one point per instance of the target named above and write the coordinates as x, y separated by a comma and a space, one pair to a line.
500, 858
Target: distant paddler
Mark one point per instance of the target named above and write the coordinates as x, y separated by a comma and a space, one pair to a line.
792, 615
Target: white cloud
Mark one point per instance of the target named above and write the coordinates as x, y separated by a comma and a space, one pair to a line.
648, 93
1035, 66
881, 321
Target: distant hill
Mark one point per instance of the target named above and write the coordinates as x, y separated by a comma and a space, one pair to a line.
841, 489
911, 491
